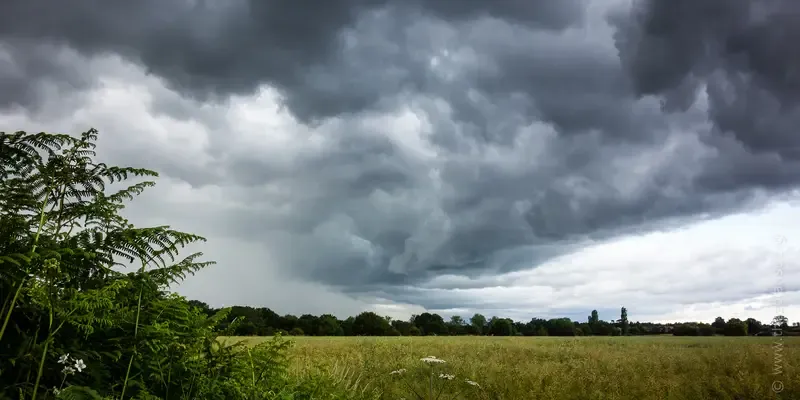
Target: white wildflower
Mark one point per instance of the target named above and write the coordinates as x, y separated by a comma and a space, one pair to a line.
398, 372
79, 365
430, 360
56, 391
473, 383
449, 377
68, 370
63, 359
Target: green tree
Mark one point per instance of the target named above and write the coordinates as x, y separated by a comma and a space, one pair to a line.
623, 321
370, 324
501, 327
719, 325
403, 327
430, 324
328, 325
561, 327
347, 326
594, 319
478, 322
780, 321
288, 322
308, 324
754, 326
735, 327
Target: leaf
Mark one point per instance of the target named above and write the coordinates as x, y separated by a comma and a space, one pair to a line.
79, 393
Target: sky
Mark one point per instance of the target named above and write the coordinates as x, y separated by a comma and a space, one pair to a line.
532, 158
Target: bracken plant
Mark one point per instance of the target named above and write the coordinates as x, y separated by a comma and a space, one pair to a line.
73, 322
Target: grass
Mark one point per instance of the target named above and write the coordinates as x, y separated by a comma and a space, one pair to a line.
653, 367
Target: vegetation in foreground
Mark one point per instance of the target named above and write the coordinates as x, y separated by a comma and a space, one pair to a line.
652, 367
75, 324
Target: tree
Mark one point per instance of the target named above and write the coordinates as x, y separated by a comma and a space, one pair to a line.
328, 325
753, 326
594, 317
370, 324
719, 325
478, 322
308, 323
270, 318
501, 327
735, 327
685, 330
706, 330
561, 327
404, 327
456, 325
430, 324
288, 322
623, 320
593, 320
536, 327
202, 306
780, 321
347, 326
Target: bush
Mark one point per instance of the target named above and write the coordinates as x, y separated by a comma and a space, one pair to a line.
735, 327
296, 332
72, 324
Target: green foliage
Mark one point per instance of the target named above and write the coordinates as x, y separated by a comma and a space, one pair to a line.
75, 324
735, 327
501, 327
430, 324
370, 324
623, 321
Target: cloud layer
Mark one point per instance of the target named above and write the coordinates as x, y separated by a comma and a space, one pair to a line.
418, 154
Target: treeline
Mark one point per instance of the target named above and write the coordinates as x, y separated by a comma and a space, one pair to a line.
251, 321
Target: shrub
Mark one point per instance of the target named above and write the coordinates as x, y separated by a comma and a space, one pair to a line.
72, 323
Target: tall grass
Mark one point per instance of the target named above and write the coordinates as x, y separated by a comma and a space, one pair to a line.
658, 368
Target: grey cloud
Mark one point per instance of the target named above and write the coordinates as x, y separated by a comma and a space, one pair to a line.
211, 50
740, 56
547, 128
31, 71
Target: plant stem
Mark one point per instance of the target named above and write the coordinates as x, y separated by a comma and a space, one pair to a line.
41, 368
135, 334
430, 388
25, 276
50, 336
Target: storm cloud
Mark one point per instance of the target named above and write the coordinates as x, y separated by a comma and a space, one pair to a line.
391, 147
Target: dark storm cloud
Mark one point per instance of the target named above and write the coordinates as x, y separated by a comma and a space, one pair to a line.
213, 49
540, 139
742, 55
28, 66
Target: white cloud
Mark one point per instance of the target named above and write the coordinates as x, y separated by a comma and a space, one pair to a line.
726, 267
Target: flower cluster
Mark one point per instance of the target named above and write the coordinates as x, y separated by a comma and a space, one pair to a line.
430, 360
71, 365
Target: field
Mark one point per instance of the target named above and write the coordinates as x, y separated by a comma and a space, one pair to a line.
656, 367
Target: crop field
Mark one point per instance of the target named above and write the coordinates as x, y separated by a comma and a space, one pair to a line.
654, 367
